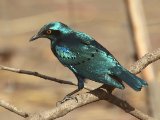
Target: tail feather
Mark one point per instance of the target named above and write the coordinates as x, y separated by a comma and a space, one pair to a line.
133, 81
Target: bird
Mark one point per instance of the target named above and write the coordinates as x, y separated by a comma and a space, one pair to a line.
87, 58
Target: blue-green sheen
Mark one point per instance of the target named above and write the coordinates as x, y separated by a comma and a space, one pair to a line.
86, 58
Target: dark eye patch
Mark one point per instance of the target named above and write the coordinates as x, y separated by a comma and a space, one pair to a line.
49, 32
56, 32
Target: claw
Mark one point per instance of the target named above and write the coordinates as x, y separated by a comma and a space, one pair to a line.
68, 97
64, 99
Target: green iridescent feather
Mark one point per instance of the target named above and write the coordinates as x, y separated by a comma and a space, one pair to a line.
86, 58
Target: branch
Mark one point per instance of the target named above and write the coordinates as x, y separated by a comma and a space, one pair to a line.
99, 94
143, 62
86, 98
12, 108
27, 72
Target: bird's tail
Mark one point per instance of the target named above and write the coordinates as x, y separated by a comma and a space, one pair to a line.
133, 81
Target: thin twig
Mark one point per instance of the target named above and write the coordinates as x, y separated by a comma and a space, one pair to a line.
12, 108
143, 62
41, 76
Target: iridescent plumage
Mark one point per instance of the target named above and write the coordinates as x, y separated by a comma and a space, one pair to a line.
86, 58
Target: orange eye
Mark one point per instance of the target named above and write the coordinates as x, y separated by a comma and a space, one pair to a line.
49, 32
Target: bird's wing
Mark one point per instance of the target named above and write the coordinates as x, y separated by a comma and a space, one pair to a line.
90, 46
80, 48
100, 47
89, 41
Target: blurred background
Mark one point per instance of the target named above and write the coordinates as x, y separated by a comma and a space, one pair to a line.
107, 21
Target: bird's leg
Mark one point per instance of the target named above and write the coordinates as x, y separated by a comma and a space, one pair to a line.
80, 87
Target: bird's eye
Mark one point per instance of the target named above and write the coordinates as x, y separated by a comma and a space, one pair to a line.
48, 32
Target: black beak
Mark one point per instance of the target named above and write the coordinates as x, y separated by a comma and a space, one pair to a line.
36, 36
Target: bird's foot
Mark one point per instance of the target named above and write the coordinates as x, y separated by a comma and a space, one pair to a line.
66, 98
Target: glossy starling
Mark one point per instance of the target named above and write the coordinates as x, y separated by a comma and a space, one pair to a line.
86, 58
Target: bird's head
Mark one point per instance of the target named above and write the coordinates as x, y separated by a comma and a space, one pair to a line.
52, 31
